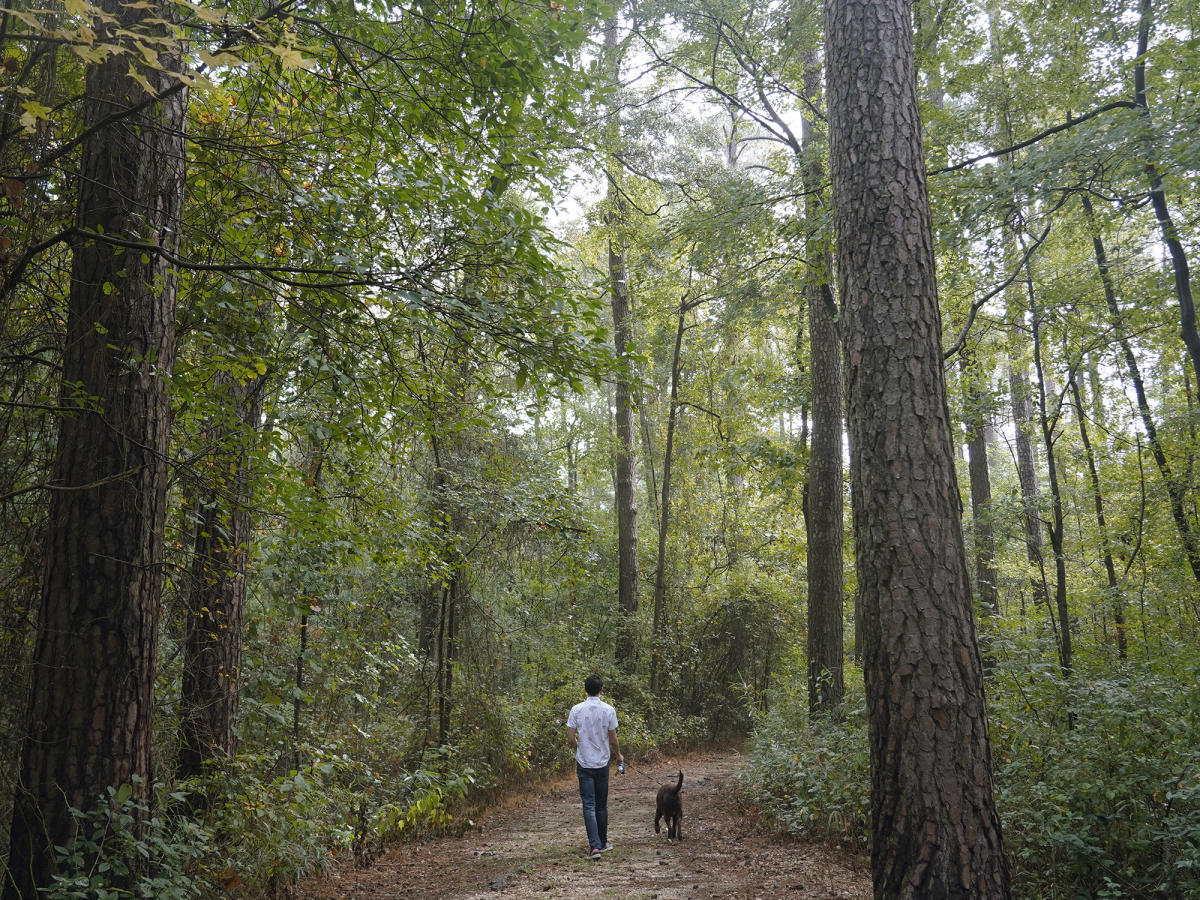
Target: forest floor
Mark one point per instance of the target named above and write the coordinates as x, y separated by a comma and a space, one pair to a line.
535, 846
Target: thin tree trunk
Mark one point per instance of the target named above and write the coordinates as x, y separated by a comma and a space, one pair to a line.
216, 590
986, 577
823, 489
89, 721
1110, 569
1158, 200
1175, 491
1018, 378
624, 461
298, 697
935, 831
664, 518
1056, 527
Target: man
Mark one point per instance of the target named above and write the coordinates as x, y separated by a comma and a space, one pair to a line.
592, 733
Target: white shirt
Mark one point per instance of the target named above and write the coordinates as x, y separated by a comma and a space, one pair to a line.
592, 720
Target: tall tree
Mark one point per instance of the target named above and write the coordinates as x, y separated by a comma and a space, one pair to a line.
216, 589
935, 830
1176, 489
89, 721
624, 460
664, 515
1158, 199
1056, 527
1116, 600
977, 422
823, 489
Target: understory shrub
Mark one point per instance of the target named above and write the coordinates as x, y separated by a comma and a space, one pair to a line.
812, 778
112, 857
1109, 806
1097, 780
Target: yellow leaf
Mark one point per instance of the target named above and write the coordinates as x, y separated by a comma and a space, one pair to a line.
149, 55
89, 54
290, 57
33, 112
142, 80
28, 18
218, 60
77, 7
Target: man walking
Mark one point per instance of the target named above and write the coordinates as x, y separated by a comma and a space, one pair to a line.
592, 734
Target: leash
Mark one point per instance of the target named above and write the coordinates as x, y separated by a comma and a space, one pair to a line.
638, 770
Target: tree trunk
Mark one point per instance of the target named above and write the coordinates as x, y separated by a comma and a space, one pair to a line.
1110, 569
981, 487
624, 461
935, 831
215, 594
1018, 378
89, 720
823, 490
1175, 491
1027, 475
660, 573
1057, 526
1158, 200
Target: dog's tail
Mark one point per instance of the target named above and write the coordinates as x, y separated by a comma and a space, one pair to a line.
678, 786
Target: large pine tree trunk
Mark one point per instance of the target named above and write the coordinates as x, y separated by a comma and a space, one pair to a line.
935, 831
823, 491
92, 689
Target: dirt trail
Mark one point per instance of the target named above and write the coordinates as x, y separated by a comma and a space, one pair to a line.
537, 849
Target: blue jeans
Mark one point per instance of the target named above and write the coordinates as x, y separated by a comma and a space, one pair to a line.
593, 791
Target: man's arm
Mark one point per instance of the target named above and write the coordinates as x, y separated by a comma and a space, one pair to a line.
614, 744
572, 737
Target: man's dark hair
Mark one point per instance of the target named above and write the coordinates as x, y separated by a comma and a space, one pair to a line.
592, 684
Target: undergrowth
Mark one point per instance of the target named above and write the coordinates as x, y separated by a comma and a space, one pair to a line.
1097, 779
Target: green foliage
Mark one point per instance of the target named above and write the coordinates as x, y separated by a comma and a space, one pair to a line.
1110, 803
1109, 806
811, 778
123, 850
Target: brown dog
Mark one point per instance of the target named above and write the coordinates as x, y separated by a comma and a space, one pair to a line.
668, 806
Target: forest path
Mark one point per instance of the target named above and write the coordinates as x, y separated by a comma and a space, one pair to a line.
537, 849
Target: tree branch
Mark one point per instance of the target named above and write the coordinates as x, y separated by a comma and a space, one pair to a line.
1070, 123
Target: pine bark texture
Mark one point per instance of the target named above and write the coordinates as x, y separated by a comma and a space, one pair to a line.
935, 831
89, 720
823, 499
